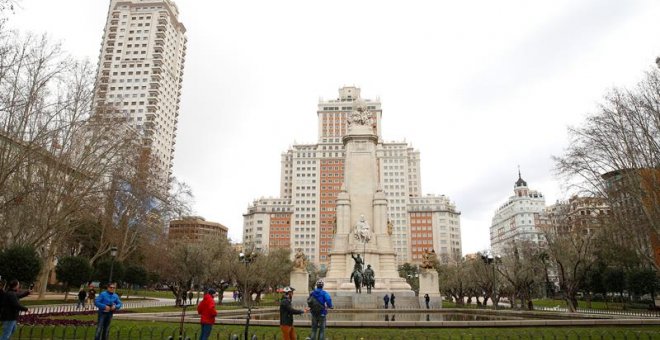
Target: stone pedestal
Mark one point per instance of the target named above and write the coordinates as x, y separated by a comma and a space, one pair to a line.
429, 284
299, 280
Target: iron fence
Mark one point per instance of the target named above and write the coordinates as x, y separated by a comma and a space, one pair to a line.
48, 309
632, 313
192, 333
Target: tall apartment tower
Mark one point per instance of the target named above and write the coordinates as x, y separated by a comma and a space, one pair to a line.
518, 218
312, 176
140, 74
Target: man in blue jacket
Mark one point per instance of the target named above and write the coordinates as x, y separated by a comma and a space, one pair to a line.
318, 320
107, 302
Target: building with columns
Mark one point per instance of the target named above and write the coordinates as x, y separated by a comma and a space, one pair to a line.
517, 219
140, 74
312, 176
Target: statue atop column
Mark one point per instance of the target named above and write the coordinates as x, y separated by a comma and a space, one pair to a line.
429, 259
361, 116
362, 230
300, 260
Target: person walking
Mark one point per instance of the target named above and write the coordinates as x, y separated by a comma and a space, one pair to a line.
91, 296
206, 309
427, 299
107, 302
386, 299
11, 307
286, 314
82, 296
319, 318
392, 300
190, 297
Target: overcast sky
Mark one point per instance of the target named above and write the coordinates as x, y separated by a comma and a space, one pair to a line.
478, 87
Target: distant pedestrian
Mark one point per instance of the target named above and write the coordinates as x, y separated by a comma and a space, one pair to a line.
386, 299
319, 317
427, 299
11, 308
286, 315
82, 296
392, 300
91, 296
235, 295
107, 302
190, 297
207, 312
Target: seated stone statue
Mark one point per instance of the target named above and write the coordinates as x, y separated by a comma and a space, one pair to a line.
300, 260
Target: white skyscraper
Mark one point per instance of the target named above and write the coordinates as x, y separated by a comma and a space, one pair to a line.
140, 73
518, 218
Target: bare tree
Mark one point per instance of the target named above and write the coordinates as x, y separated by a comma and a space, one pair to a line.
619, 145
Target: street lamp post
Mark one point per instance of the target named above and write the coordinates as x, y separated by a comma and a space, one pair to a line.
113, 253
491, 260
247, 259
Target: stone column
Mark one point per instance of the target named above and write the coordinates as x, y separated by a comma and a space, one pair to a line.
429, 284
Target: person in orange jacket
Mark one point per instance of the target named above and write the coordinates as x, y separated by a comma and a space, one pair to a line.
206, 309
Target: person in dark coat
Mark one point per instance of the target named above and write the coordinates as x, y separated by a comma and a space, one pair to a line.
427, 299
386, 299
286, 315
11, 308
392, 300
82, 295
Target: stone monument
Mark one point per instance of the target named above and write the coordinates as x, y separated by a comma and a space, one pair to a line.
429, 281
299, 278
362, 223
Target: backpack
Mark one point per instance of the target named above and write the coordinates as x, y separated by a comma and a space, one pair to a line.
314, 305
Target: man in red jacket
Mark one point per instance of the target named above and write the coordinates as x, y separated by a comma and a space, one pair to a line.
206, 309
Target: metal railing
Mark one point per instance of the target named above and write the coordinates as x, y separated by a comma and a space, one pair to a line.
631, 313
192, 333
47, 309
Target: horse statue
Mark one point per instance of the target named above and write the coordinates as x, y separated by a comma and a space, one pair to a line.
368, 278
356, 277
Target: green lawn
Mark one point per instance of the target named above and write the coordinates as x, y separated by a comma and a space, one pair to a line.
156, 330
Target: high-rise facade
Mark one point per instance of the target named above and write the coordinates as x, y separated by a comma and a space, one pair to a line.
312, 176
140, 75
518, 218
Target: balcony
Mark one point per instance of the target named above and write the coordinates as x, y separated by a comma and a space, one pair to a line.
109, 49
158, 62
161, 28
157, 55
156, 77
156, 69
162, 20
112, 35
107, 64
113, 29
154, 93
114, 21
154, 86
158, 49
150, 115
160, 42
160, 35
